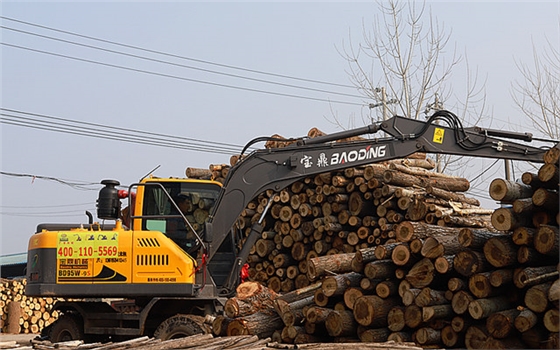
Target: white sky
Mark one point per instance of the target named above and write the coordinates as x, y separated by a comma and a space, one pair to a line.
294, 39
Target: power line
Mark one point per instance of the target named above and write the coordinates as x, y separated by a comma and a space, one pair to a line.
176, 56
180, 78
179, 65
79, 185
80, 128
127, 131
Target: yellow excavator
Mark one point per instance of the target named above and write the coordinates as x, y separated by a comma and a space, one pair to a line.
158, 271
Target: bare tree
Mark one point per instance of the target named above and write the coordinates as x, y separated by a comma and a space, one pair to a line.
537, 95
402, 66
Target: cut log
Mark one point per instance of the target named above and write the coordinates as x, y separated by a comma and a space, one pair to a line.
536, 297
453, 184
386, 289
500, 251
341, 324
428, 336
421, 274
507, 191
501, 277
259, 324
474, 238
456, 284
300, 293
338, 263
444, 264
379, 269
525, 320
440, 245
371, 310
406, 231
413, 316
317, 314
351, 294
505, 219
475, 337
220, 324
482, 308
451, 196
436, 312
401, 255
501, 324
450, 338
547, 240
531, 276
551, 320
546, 198
429, 296
197, 173
460, 302
374, 335
336, 285
395, 319
552, 155
548, 173
523, 236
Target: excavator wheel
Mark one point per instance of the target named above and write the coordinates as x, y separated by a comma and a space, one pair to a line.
179, 326
67, 327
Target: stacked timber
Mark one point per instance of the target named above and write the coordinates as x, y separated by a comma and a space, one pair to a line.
396, 252
23, 314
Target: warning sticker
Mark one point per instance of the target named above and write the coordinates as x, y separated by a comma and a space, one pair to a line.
438, 135
87, 244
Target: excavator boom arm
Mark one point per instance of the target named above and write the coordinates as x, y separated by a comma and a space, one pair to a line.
278, 168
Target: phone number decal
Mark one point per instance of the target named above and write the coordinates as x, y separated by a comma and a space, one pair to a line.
87, 245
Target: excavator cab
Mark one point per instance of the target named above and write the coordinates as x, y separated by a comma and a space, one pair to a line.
176, 207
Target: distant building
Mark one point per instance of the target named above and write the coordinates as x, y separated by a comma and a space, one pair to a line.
13, 265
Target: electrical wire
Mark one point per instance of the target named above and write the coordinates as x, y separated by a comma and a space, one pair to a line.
180, 65
78, 185
158, 136
177, 56
137, 70
68, 126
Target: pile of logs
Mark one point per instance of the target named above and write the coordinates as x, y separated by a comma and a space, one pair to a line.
393, 251
22, 314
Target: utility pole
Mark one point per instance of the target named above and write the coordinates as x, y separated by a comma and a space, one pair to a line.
384, 102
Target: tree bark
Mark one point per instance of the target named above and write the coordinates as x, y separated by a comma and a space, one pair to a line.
421, 274
406, 231
460, 301
507, 191
338, 263
525, 320
259, 324
501, 324
548, 173
536, 297
482, 308
379, 269
341, 323
547, 240
551, 320
505, 219
500, 251
336, 285
371, 310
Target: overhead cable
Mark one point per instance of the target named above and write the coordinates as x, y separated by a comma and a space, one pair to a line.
180, 78
179, 65
176, 56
